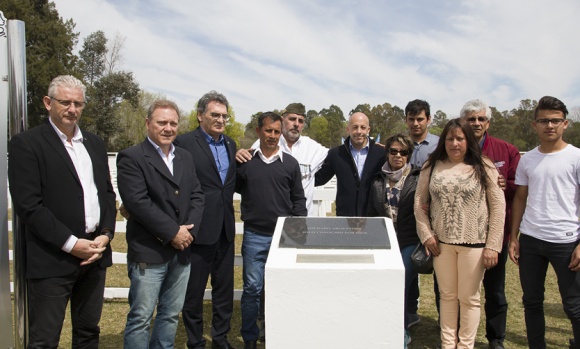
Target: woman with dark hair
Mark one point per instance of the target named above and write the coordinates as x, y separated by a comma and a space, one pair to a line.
392, 195
460, 211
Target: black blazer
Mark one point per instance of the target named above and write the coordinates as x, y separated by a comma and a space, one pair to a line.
48, 197
352, 191
218, 197
157, 201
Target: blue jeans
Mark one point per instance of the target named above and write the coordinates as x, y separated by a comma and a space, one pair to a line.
255, 248
535, 255
162, 285
411, 276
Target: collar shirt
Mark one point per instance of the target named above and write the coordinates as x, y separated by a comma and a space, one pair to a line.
359, 156
220, 154
482, 140
277, 155
422, 150
168, 160
84, 168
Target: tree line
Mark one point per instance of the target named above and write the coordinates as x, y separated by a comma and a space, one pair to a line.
117, 106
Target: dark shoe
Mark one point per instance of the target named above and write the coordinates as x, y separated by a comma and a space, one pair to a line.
262, 326
413, 320
496, 345
225, 345
572, 344
250, 345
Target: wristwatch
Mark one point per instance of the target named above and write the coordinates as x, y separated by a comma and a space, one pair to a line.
108, 233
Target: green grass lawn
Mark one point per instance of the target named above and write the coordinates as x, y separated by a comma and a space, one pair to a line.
424, 335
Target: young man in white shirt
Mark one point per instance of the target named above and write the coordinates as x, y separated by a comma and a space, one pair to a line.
545, 213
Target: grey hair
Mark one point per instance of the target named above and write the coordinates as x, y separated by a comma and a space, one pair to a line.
162, 104
65, 81
211, 96
475, 106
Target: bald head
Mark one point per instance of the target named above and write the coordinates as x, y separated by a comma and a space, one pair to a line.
358, 129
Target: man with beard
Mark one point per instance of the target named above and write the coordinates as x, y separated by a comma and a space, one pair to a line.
309, 153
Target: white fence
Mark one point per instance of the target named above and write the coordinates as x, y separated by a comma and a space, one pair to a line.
323, 198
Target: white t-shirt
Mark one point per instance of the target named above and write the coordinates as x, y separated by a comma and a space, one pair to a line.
553, 206
310, 155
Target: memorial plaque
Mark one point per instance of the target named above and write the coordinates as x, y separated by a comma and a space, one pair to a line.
334, 233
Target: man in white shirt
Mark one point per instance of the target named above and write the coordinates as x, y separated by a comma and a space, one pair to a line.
545, 212
62, 192
309, 153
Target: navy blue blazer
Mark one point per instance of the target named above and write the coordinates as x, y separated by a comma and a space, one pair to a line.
352, 190
219, 208
157, 201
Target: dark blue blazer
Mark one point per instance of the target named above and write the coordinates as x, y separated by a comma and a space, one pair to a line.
157, 201
219, 208
352, 190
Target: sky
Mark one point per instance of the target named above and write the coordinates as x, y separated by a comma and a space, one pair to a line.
264, 54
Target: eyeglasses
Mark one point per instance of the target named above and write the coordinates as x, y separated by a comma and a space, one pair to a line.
403, 152
216, 116
67, 103
545, 122
478, 118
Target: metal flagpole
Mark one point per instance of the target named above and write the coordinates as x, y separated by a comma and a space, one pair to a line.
13, 115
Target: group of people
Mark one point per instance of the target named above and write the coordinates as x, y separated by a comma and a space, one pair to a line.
452, 193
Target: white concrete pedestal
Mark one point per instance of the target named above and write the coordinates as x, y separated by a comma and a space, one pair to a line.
334, 298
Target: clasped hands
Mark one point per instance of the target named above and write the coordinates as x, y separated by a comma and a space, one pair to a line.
90, 251
183, 238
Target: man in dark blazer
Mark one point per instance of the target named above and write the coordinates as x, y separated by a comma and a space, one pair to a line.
161, 193
62, 192
354, 163
213, 250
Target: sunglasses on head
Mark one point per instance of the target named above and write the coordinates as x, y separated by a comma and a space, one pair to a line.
403, 152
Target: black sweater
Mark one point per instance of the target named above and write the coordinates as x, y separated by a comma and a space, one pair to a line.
269, 191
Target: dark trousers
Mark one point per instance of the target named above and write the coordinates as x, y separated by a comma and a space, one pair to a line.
47, 301
413, 296
496, 305
535, 255
217, 260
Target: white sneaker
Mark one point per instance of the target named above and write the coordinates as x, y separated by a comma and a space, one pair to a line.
407, 339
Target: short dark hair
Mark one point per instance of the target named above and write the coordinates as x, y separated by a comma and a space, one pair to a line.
404, 140
268, 115
162, 104
415, 107
550, 103
211, 96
